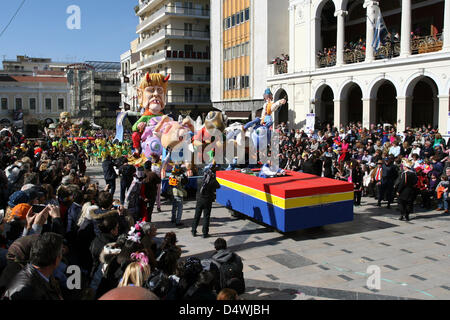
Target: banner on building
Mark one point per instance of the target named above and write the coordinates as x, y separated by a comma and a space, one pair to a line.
448, 124
310, 121
119, 126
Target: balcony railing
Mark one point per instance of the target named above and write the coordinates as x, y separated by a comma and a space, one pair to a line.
419, 45
173, 55
327, 61
190, 77
188, 99
426, 44
146, 4
180, 54
171, 10
151, 39
149, 60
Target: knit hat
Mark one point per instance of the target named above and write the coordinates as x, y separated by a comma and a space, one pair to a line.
20, 211
34, 192
18, 198
268, 92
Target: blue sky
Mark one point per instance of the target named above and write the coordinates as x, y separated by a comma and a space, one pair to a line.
39, 30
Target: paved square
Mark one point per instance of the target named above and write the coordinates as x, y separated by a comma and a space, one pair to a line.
329, 262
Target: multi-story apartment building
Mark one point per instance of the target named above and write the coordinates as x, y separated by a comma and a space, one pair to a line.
129, 77
27, 65
245, 37
337, 70
37, 88
96, 89
100, 89
174, 38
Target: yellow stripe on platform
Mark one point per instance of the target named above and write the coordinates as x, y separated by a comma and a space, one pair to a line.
290, 203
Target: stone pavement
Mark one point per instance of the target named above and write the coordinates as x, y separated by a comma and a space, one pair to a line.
328, 262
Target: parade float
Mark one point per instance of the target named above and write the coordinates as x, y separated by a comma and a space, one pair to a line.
287, 202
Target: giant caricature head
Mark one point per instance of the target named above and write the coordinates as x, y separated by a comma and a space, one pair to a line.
173, 133
268, 95
152, 93
215, 120
64, 118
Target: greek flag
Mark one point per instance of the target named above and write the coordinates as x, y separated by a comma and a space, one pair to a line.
380, 32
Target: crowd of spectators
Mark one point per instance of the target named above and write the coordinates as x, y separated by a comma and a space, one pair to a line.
53, 217
62, 237
373, 159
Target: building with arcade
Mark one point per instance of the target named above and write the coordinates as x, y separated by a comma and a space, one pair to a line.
337, 73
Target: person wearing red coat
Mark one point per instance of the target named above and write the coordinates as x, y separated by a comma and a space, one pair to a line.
136, 138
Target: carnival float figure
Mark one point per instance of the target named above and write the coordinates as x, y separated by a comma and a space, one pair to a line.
64, 126
155, 132
262, 126
215, 123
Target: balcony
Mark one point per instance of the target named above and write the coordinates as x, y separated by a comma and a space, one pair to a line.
174, 55
146, 6
427, 44
173, 34
171, 11
183, 99
194, 78
419, 45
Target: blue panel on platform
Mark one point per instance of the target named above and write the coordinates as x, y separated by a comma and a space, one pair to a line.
285, 220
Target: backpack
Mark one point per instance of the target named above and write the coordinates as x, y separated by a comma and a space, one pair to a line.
231, 275
208, 177
159, 284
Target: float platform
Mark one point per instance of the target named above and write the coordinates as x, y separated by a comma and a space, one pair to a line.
293, 202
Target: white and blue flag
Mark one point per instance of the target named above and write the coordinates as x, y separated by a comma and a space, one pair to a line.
380, 32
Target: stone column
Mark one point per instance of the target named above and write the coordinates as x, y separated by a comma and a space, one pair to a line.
340, 14
435, 111
340, 113
317, 108
446, 32
404, 112
443, 114
316, 42
372, 11
291, 64
405, 44
369, 112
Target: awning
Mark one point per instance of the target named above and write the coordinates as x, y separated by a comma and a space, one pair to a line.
238, 115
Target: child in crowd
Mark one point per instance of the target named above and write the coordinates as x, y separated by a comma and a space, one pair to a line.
442, 194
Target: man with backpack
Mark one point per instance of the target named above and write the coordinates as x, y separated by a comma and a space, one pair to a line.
227, 266
177, 181
205, 200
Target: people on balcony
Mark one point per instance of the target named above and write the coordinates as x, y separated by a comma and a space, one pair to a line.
423, 40
281, 63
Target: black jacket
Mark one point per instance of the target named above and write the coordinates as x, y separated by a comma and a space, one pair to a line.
408, 181
308, 166
97, 246
209, 186
127, 171
30, 285
108, 170
389, 174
